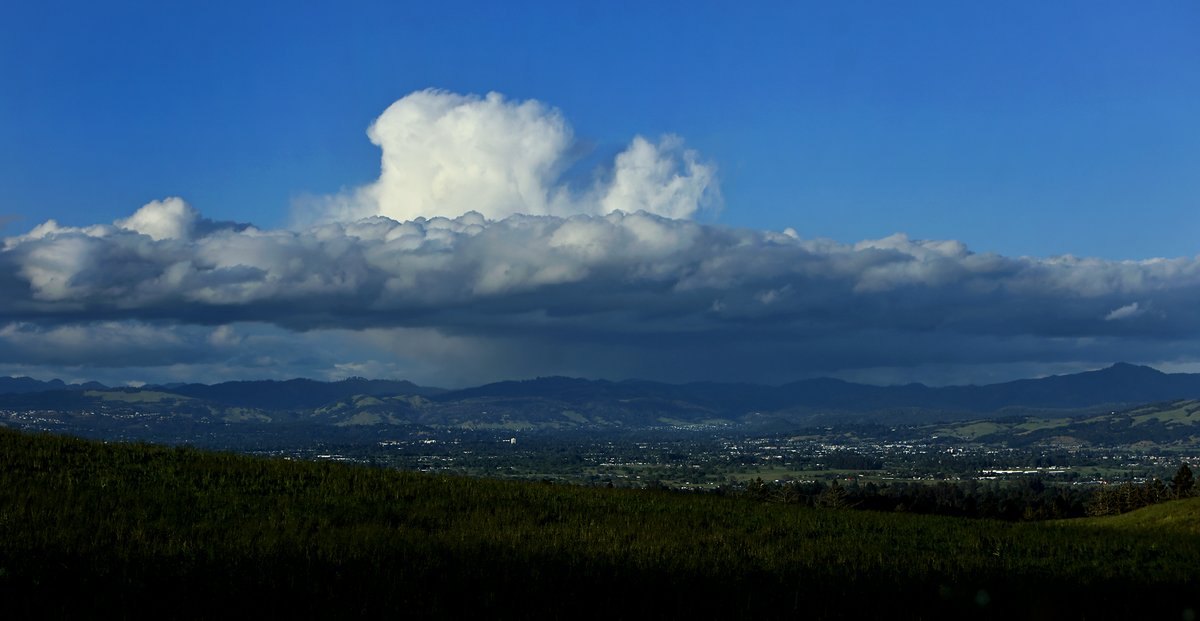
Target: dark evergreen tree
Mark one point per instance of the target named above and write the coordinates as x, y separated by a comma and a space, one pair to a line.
1183, 482
834, 497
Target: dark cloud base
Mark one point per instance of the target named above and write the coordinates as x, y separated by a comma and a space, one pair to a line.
619, 295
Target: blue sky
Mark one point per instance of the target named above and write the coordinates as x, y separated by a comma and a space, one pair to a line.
1019, 129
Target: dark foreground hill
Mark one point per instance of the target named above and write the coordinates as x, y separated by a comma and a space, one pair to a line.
94, 530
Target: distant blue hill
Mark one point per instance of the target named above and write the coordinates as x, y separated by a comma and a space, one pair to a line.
638, 402
295, 394
1120, 383
22, 385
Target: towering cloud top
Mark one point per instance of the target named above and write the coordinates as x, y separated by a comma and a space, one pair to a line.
446, 155
166, 219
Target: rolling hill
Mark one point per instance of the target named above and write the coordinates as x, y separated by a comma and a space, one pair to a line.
570, 403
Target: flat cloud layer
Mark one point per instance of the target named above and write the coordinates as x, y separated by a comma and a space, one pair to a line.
528, 276
616, 284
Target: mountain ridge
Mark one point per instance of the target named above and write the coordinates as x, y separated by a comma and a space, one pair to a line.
558, 402
16, 384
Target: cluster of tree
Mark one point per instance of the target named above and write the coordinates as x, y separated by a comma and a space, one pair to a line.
1022, 499
1128, 496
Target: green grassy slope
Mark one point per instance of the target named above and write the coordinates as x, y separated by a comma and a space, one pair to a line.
146, 531
1179, 516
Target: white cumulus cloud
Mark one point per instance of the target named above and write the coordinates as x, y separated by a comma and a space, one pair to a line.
446, 154
171, 218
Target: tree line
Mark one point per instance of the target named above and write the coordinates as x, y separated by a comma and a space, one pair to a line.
1022, 499
1129, 496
